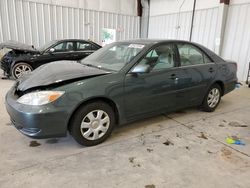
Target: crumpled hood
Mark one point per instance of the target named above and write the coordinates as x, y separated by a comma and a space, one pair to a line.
14, 45
56, 72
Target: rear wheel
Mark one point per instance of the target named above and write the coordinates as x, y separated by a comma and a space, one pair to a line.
212, 98
20, 69
92, 123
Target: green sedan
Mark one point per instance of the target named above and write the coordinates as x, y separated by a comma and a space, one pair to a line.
120, 83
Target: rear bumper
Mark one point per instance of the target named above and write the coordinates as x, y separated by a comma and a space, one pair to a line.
230, 86
44, 121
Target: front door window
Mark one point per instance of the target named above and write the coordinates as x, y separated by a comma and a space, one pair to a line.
160, 58
64, 47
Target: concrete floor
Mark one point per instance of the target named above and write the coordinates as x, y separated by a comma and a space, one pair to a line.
194, 154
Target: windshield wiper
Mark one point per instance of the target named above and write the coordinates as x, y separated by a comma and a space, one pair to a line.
98, 67
90, 65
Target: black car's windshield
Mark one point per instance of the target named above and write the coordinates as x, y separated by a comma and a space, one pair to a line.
47, 45
113, 56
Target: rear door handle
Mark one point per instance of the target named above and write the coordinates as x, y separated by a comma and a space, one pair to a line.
173, 76
211, 70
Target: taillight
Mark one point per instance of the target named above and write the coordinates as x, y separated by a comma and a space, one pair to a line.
236, 66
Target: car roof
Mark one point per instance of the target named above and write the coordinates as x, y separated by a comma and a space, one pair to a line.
154, 41
151, 42
62, 40
65, 40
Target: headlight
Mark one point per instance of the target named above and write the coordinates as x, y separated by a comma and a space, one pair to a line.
40, 97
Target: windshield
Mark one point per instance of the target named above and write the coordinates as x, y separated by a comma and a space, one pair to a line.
45, 46
113, 56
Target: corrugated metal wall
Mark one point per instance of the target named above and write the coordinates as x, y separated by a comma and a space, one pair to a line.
205, 26
236, 45
36, 23
166, 26
177, 26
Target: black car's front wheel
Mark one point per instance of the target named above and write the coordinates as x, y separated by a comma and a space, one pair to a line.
21, 68
212, 98
92, 123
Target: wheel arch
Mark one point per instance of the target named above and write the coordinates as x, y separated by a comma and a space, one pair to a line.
106, 100
21, 61
17, 62
222, 86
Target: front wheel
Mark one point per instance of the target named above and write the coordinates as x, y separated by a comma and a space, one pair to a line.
20, 69
92, 123
212, 98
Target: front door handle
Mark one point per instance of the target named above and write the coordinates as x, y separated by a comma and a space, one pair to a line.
174, 77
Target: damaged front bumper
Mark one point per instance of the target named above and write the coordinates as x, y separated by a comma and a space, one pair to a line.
36, 121
5, 67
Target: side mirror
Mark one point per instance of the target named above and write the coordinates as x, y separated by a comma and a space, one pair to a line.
141, 69
51, 50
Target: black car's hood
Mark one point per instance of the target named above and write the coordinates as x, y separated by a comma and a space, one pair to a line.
14, 45
56, 72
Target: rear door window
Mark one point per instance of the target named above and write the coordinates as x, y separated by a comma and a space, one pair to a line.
191, 55
82, 46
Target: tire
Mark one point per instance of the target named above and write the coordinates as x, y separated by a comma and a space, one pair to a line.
20, 69
87, 128
212, 98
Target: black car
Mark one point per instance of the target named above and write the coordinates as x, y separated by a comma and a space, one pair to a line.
120, 83
23, 58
